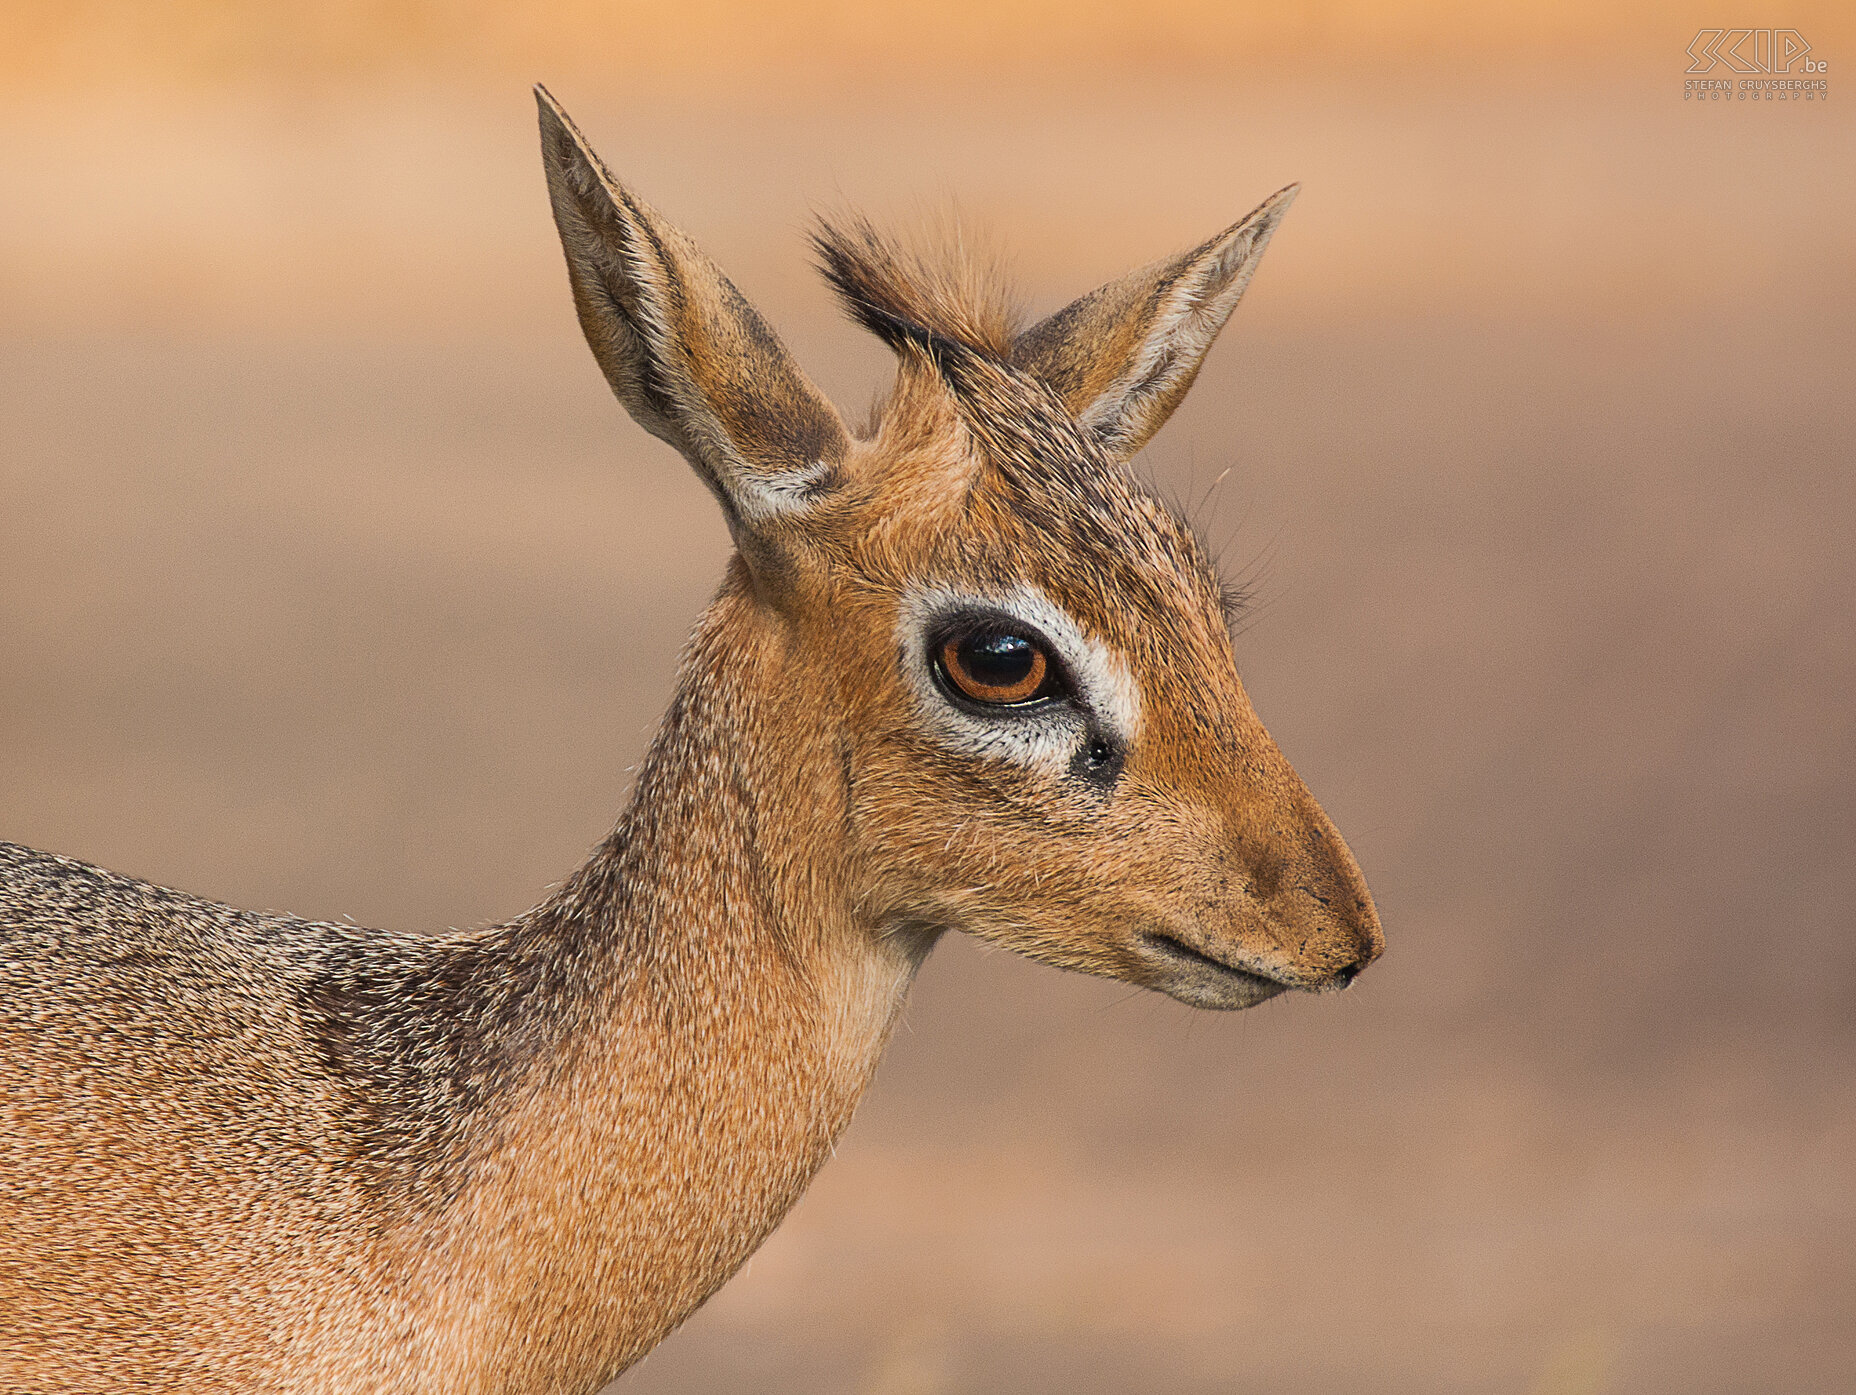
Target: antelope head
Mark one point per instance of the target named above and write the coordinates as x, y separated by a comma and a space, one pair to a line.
1020, 658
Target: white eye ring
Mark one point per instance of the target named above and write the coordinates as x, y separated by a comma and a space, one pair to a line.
1103, 706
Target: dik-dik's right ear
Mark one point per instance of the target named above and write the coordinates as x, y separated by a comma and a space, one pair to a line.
1122, 357
684, 351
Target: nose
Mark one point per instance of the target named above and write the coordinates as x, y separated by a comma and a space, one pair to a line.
1299, 867
1369, 942
1344, 976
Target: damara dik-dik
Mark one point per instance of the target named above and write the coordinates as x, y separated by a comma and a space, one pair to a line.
963, 673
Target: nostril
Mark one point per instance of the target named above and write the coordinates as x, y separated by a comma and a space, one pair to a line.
1344, 977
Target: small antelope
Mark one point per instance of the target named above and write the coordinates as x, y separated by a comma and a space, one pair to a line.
963, 673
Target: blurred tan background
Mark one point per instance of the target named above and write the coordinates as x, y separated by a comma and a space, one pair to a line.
332, 580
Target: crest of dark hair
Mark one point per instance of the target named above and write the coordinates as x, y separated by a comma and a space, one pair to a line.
938, 293
938, 300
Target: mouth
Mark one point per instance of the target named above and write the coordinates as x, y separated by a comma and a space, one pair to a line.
1197, 979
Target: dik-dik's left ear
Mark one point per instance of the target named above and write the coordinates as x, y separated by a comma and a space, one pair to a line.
684, 351
1122, 357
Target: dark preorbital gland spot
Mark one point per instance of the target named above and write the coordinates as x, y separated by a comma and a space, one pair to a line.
1098, 762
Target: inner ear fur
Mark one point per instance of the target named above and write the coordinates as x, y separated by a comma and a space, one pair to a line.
684, 351
1122, 357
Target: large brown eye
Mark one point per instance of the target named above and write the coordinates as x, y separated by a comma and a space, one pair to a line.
996, 667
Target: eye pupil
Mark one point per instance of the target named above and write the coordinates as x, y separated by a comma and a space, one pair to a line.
995, 666
998, 661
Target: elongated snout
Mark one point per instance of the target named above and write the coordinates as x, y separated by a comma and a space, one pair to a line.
1300, 877
1288, 906
1317, 903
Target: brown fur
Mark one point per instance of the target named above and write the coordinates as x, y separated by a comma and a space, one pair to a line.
243, 1152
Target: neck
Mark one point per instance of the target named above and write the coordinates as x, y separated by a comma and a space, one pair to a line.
721, 1011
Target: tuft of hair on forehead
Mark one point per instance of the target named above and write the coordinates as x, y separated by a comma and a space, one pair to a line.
937, 284
939, 300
